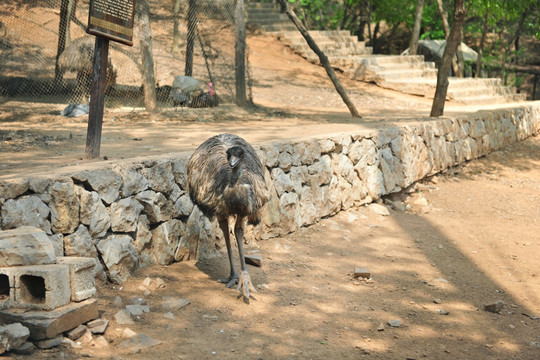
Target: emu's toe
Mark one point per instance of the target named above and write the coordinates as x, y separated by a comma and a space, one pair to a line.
245, 285
230, 281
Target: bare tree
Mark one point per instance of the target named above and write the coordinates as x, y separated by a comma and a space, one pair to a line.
482, 44
322, 58
240, 53
413, 46
452, 41
67, 11
145, 36
446, 27
176, 20
190, 44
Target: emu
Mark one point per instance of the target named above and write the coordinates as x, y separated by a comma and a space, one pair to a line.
226, 178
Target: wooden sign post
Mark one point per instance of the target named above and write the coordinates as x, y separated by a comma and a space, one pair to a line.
107, 20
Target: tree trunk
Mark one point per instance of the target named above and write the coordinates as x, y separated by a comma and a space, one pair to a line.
240, 53
452, 41
145, 37
413, 46
322, 57
190, 44
176, 20
446, 27
481, 45
67, 10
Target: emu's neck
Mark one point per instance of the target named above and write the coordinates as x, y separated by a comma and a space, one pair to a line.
235, 175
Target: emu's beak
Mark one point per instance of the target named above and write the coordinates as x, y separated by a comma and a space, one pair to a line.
234, 160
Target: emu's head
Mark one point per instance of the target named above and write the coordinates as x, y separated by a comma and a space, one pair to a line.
235, 155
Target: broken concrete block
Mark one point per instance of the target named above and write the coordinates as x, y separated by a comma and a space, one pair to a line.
254, 260
82, 276
48, 324
12, 336
360, 272
97, 326
26, 245
50, 343
41, 287
76, 333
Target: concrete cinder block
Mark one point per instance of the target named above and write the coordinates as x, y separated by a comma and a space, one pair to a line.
48, 324
82, 276
40, 287
7, 288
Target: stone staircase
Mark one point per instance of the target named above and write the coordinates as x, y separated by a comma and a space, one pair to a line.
266, 15
409, 74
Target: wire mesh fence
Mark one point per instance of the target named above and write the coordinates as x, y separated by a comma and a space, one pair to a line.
37, 62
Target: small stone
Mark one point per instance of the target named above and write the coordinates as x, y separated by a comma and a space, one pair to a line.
379, 209
254, 260
160, 284
118, 301
128, 333
13, 336
535, 344
147, 281
25, 349
101, 342
49, 343
395, 323
72, 344
137, 310
381, 327
437, 301
363, 273
169, 315
443, 312
495, 307
122, 318
86, 337
76, 333
138, 301
98, 326
173, 304
532, 317
139, 342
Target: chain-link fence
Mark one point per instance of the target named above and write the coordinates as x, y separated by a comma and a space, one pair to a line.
44, 56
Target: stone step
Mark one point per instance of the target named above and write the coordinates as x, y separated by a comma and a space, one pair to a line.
267, 18
279, 28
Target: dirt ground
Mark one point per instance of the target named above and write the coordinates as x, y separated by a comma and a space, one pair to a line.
455, 243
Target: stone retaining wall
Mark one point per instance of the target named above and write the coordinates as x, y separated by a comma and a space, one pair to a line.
138, 213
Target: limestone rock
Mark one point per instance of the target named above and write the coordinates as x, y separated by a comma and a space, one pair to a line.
105, 182
156, 206
160, 177
165, 240
143, 235
80, 243
64, 207
10, 189
93, 213
26, 245
12, 336
26, 211
124, 215
182, 206
119, 256
132, 182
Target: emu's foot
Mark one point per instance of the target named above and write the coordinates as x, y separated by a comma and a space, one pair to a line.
245, 285
230, 281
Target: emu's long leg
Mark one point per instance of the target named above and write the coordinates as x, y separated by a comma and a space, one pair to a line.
233, 278
244, 283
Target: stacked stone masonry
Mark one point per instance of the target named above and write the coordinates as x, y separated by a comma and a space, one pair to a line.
138, 213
